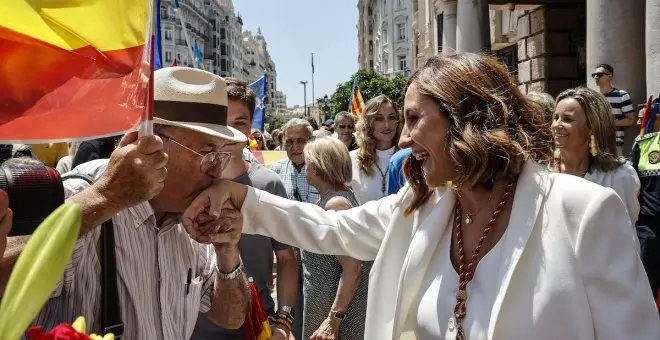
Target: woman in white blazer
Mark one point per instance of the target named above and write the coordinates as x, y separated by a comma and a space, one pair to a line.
556, 256
584, 136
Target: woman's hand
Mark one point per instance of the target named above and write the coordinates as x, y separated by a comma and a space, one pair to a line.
216, 211
329, 330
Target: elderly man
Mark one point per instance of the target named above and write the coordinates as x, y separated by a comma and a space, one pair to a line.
297, 132
256, 250
164, 277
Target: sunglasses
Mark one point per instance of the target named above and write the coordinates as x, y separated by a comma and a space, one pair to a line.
346, 126
599, 74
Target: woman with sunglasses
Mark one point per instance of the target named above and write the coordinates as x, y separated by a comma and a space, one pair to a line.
345, 129
378, 132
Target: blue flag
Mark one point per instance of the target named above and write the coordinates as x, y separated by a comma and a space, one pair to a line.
259, 87
158, 62
198, 62
175, 4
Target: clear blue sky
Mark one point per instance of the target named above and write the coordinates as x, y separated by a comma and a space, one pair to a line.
295, 28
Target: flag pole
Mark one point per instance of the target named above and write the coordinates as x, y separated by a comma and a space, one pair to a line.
147, 128
183, 28
313, 98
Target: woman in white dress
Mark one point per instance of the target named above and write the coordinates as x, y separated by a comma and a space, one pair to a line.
377, 132
585, 145
483, 243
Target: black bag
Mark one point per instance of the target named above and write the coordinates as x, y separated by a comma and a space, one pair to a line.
110, 312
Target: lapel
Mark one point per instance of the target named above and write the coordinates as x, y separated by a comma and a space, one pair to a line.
428, 224
527, 202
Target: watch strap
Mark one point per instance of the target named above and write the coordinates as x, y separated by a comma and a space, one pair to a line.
234, 274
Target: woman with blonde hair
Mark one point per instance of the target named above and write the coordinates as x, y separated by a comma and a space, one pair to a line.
377, 132
335, 287
585, 145
484, 243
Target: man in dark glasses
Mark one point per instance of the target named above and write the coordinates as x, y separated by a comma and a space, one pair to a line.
622, 107
345, 128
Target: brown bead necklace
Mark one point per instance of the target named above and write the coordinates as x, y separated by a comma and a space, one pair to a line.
466, 270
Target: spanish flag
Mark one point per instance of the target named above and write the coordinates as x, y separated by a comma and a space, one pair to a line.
356, 105
645, 118
73, 69
257, 326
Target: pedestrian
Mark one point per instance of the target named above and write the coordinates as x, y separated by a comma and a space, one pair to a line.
619, 100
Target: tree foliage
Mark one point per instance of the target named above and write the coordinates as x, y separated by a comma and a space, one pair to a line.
371, 85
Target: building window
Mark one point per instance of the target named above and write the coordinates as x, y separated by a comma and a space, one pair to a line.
384, 35
401, 31
223, 65
371, 47
223, 33
223, 49
400, 4
371, 64
178, 57
386, 65
402, 63
168, 34
168, 56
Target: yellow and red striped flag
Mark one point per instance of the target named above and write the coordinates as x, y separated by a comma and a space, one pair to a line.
73, 69
356, 105
257, 326
267, 158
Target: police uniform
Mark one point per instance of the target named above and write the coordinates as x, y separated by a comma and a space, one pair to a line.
646, 161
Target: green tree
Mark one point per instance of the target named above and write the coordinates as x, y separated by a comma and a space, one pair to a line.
371, 85
277, 121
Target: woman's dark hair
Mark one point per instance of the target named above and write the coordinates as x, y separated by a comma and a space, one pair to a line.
493, 127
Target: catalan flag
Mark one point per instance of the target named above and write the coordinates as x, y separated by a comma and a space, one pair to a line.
257, 326
356, 104
73, 69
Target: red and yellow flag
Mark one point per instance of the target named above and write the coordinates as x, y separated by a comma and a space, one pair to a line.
257, 326
267, 158
72, 69
357, 104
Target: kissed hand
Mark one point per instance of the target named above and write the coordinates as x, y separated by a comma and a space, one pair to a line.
214, 215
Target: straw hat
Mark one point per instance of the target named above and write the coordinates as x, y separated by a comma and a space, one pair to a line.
193, 99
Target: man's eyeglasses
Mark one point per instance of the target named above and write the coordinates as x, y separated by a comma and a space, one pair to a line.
599, 74
346, 126
215, 160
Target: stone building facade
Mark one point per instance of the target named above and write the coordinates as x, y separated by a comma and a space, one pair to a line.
550, 45
258, 62
384, 29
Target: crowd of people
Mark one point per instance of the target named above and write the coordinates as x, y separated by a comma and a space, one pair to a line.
472, 211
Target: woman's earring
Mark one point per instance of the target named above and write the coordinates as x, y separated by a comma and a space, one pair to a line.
592, 146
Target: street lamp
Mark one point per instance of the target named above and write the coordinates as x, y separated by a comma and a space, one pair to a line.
304, 84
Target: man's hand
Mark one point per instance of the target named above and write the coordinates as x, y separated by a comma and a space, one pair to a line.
6, 217
329, 330
136, 171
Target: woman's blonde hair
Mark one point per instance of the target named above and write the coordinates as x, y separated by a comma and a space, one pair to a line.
493, 128
601, 122
330, 159
364, 133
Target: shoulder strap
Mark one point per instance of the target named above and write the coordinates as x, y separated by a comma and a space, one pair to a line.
110, 312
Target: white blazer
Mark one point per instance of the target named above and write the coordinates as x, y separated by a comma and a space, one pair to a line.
571, 267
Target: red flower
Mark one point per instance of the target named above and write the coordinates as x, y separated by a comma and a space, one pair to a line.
61, 332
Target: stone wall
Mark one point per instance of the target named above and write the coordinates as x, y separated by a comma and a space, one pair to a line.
548, 49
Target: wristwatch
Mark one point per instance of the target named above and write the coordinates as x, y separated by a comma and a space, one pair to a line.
287, 309
337, 315
234, 274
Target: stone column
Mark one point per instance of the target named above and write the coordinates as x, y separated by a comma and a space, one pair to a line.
615, 36
448, 27
653, 48
473, 26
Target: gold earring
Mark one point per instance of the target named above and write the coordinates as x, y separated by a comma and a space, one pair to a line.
592, 146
